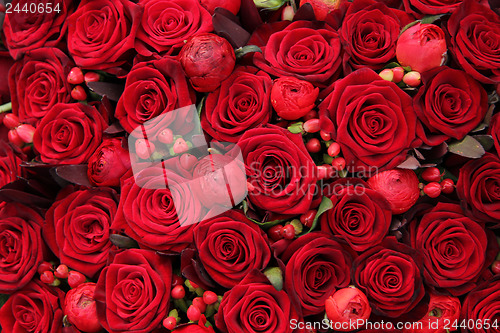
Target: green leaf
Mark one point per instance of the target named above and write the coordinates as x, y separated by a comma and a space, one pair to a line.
275, 276
123, 242
409, 25
296, 128
199, 107
325, 205
3, 299
242, 51
431, 18
467, 147
264, 225
485, 140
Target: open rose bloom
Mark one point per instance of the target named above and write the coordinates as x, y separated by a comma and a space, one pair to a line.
250, 166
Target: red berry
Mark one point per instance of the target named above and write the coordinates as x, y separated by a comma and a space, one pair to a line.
166, 136
144, 148
75, 279
325, 136
178, 292
495, 267
398, 72
287, 14
61, 272
413, 79
288, 231
387, 74
311, 126
200, 304
169, 323
47, 277
26, 132
313, 145
79, 93
275, 232
447, 186
14, 138
180, 146
177, 280
324, 171
310, 115
75, 76
431, 174
44, 266
193, 313
92, 77
11, 121
308, 217
188, 161
209, 297
334, 149
338, 163
433, 189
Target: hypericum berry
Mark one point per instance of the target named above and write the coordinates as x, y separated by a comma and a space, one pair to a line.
287, 14
47, 277
177, 280
193, 313
433, 189
44, 266
325, 136
26, 132
11, 121
79, 93
413, 79
288, 231
398, 73
61, 272
311, 115
338, 163
14, 138
200, 304
447, 186
92, 77
144, 148
178, 292
311, 126
313, 145
209, 297
333, 149
431, 174
166, 136
188, 161
180, 146
275, 232
324, 171
75, 279
387, 74
169, 323
495, 267
308, 217
75, 76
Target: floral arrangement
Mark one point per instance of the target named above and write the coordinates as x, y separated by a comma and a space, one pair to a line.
238, 166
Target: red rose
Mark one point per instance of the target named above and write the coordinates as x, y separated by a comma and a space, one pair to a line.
255, 305
293, 98
22, 246
360, 215
433, 7
390, 277
108, 163
477, 188
6, 62
133, 292
77, 228
35, 308
456, 250
475, 30
10, 163
230, 246
242, 102
494, 131
299, 50
316, 266
372, 119
69, 133
152, 89
101, 33
450, 104
33, 29
369, 33
38, 82
166, 24
281, 172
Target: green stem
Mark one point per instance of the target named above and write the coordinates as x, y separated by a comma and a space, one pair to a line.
6, 107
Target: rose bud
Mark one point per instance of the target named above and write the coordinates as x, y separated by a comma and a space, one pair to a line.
80, 307
108, 163
322, 7
347, 305
422, 47
398, 186
207, 60
293, 98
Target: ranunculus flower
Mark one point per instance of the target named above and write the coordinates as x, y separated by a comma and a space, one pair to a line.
390, 277
207, 60
494, 131
101, 33
35, 308
347, 305
108, 163
360, 215
372, 119
280, 170
450, 104
22, 247
77, 226
456, 250
293, 98
316, 265
369, 33
38, 82
69, 133
166, 24
80, 307
422, 47
255, 305
242, 102
10, 163
152, 89
299, 50
133, 292
398, 186
230, 246
28, 30
477, 189
475, 30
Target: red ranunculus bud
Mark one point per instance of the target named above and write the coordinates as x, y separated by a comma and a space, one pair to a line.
26, 132
108, 163
207, 60
293, 98
347, 305
422, 47
80, 307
